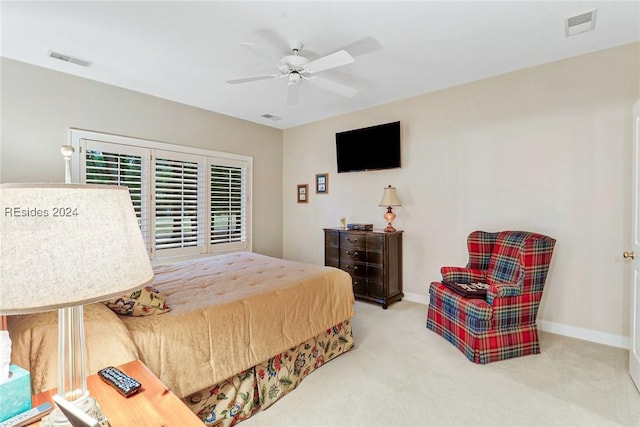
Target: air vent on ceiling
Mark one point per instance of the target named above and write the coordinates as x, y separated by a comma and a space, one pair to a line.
271, 117
67, 58
580, 23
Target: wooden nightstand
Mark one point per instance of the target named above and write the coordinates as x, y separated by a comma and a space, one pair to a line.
155, 405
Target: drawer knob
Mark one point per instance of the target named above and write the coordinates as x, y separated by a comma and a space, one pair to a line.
355, 267
352, 253
352, 241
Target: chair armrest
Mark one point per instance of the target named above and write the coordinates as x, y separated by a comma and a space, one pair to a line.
463, 274
499, 290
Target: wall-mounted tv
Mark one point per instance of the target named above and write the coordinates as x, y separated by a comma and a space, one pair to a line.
371, 148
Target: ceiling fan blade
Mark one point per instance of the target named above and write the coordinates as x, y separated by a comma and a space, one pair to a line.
293, 94
260, 51
362, 46
333, 60
251, 79
278, 45
334, 86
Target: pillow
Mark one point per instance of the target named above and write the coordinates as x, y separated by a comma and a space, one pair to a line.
143, 302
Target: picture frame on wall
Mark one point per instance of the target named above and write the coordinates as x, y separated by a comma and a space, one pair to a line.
322, 183
303, 193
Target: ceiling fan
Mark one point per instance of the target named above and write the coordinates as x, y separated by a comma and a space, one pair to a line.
296, 69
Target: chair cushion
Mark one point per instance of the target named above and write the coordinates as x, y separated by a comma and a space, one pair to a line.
456, 304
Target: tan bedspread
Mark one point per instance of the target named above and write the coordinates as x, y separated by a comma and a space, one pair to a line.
231, 312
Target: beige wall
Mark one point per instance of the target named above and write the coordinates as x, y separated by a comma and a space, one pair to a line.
546, 149
39, 106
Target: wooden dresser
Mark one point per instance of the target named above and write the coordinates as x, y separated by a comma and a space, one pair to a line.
373, 258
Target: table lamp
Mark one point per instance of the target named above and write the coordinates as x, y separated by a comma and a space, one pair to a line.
63, 246
389, 199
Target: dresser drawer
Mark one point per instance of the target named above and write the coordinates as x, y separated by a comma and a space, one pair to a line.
375, 243
375, 289
331, 252
375, 273
353, 241
359, 285
332, 262
356, 269
332, 239
353, 255
374, 258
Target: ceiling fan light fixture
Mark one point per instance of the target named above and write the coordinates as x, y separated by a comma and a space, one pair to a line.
295, 67
294, 79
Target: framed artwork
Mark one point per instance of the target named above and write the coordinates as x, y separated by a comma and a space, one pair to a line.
303, 193
322, 183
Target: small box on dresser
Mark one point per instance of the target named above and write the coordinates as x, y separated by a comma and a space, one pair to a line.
372, 258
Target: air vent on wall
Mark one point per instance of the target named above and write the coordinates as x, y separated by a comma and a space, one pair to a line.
67, 58
271, 117
580, 23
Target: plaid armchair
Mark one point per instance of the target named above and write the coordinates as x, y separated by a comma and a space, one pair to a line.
514, 264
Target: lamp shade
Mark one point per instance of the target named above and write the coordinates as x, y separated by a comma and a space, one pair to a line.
66, 245
389, 197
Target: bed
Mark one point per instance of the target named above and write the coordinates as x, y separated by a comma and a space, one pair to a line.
242, 331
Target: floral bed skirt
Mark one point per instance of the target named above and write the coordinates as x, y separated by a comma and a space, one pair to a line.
239, 397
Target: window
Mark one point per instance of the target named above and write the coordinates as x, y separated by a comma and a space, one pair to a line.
228, 213
178, 203
188, 201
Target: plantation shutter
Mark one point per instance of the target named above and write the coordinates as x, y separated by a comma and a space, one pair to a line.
188, 201
228, 181
111, 164
178, 203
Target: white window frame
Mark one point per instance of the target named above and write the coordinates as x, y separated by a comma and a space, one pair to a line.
79, 140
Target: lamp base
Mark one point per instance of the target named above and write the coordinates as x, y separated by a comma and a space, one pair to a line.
389, 216
88, 405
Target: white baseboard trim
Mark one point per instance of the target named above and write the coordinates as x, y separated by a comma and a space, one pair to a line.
556, 328
419, 298
585, 334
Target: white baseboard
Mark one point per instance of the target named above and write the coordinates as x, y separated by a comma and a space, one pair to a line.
414, 297
585, 334
556, 328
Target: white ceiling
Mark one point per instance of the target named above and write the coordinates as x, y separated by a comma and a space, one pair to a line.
185, 51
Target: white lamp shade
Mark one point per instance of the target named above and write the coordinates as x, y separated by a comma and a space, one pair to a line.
68, 244
389, 197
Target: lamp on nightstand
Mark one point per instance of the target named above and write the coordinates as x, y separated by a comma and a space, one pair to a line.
389, 199
63, 246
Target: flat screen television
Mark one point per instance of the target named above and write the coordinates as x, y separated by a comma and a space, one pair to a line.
371, 148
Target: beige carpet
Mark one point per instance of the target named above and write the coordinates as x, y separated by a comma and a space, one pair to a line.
402, 374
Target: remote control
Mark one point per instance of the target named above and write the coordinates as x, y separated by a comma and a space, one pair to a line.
28, 417
122, 382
